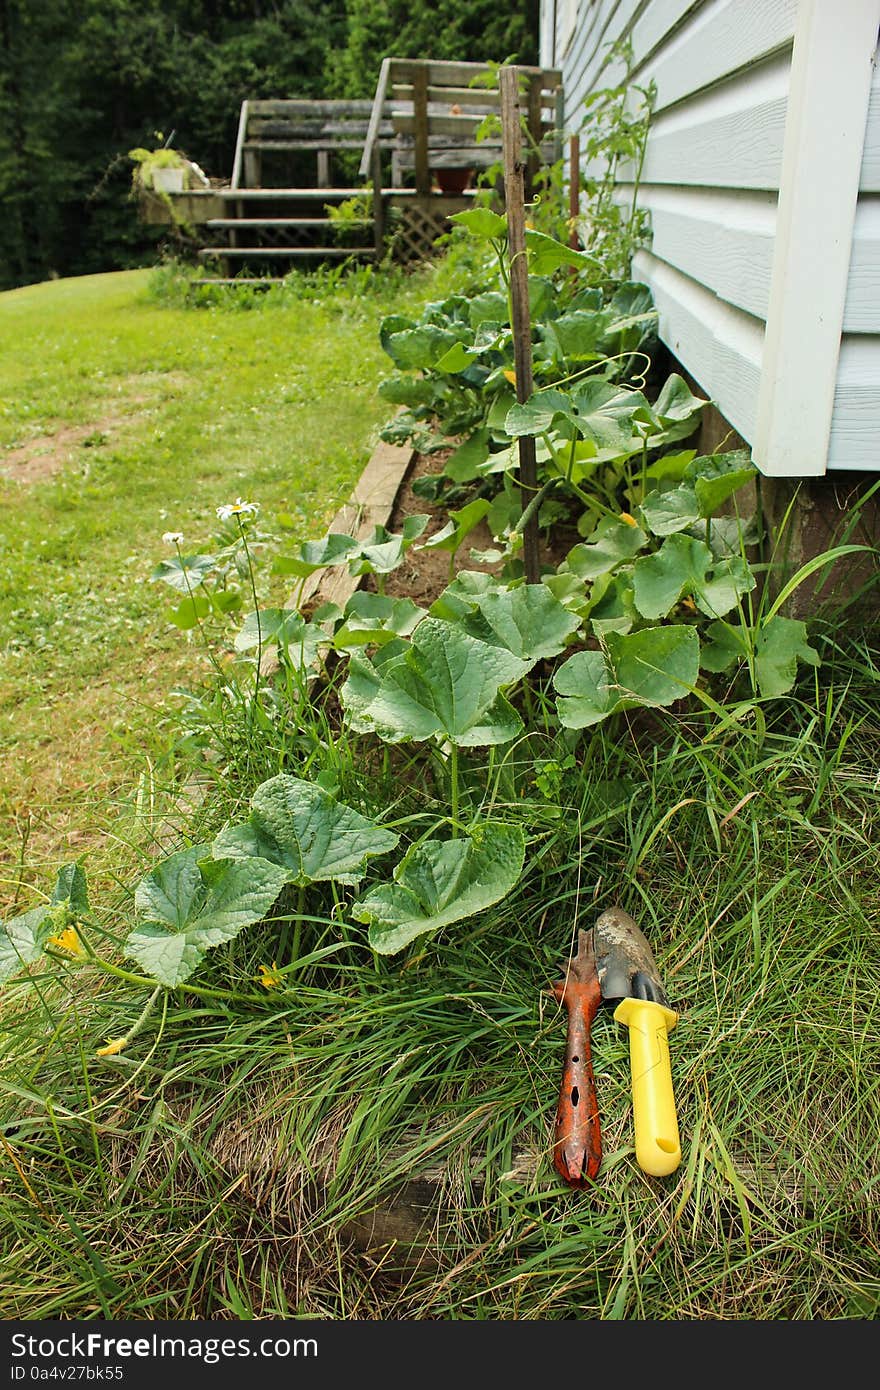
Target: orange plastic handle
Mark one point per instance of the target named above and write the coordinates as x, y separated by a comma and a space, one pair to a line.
577, 1146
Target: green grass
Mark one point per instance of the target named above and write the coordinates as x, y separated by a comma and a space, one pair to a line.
226, 1163
122, 416
222, 1180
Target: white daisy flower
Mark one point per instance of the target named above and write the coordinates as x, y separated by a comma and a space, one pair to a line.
237, 508
173, 538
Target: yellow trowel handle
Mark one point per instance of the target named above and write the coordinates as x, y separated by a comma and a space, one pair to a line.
658, 1150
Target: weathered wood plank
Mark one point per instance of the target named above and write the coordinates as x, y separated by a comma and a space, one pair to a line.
370, 504
453, 74
318, 108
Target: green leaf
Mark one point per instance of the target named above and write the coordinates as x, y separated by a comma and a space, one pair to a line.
682, 567
653, 667
537, 414
185, 572
611, 607
606, 414
676, 402
528, 621
383, 551
677, 568
729, 581
578, 333
332, 549
420, 349
482, 223
667, 512
463, 464
375, 619
546, 254
780, 644
490, 307
23, 939
459, 598
285, 628
447, 684
303, 829
457, 359
186, 908
71, 887
439, 882
612, 543
724, 644
191, 611
407, 390
459, 525
715, 477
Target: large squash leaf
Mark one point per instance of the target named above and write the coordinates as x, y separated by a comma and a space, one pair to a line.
439, 882
307, 832
528, 621
447, 685
190, 903
655, 666
684, 566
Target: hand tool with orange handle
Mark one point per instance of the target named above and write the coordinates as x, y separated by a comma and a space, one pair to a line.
614, 961
577, 1142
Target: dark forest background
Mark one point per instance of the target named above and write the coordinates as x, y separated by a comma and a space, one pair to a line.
81, 85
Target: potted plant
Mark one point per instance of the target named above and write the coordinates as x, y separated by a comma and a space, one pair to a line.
158, 171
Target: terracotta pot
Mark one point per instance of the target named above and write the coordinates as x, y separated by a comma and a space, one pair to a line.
452, 180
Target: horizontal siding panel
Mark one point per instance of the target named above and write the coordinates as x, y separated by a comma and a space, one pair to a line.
862, 310
723, 240
725, 37
718, 345
729, 137
739, 150
662, 17
586, 63
855, 439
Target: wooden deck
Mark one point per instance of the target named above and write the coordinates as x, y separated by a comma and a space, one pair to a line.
395, 153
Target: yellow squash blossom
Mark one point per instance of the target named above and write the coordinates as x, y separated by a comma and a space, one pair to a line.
68, 941
270, 976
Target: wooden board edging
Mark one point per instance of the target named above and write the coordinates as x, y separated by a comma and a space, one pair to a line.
370, 504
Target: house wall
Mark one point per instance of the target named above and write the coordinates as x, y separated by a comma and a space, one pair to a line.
727, 250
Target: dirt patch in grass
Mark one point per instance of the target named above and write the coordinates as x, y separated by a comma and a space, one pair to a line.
45, 455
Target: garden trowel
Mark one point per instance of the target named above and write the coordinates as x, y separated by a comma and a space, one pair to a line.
628, 972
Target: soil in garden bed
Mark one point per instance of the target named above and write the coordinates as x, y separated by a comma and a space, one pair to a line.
424, 574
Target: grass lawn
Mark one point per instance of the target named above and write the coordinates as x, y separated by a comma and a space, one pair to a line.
121, 418
227, 1143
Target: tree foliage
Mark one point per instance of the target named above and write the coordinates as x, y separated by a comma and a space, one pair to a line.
82, 85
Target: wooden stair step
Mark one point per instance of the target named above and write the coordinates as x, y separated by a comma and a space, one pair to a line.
246, 195
242, 222
220, 251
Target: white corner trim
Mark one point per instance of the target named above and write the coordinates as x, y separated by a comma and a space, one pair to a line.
831, 70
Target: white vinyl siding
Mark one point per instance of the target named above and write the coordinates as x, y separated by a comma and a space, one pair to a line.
711, 181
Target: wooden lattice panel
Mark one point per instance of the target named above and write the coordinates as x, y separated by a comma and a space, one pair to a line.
416, 231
